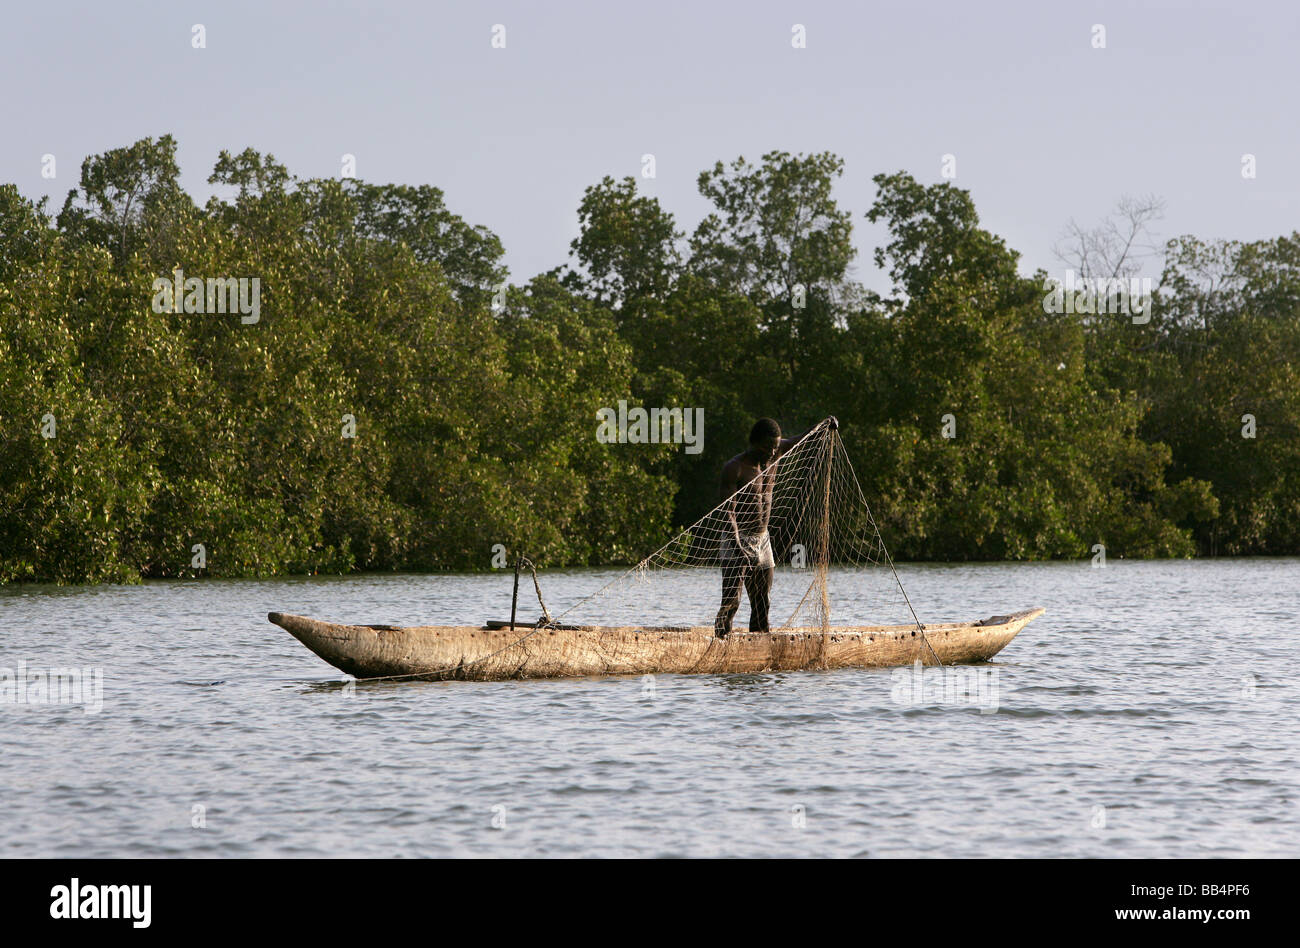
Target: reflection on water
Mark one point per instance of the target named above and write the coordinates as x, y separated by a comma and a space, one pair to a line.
1149, 713
761, 683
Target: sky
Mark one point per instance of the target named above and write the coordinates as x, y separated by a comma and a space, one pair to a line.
1044, 127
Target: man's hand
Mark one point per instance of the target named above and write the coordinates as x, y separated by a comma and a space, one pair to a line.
747, 556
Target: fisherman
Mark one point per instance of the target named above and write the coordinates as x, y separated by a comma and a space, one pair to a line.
748, 481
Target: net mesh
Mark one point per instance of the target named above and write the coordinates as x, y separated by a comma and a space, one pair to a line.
780, 542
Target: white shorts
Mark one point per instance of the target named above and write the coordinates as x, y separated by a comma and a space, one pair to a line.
759, 546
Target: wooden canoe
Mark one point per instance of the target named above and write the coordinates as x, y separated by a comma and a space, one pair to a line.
482, 653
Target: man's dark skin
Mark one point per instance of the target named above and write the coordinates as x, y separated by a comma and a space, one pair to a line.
746, 550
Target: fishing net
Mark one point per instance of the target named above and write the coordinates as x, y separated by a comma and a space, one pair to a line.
819, 533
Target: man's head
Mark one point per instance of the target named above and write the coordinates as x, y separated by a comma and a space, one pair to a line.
765, 438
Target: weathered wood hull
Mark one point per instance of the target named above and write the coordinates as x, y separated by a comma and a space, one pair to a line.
483, 654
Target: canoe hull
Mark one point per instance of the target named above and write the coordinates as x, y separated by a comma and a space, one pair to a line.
475, 653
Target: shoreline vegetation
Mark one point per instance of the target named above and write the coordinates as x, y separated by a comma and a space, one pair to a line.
320, 376
504, 573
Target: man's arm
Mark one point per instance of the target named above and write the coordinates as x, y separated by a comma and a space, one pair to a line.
787, 443
728, 487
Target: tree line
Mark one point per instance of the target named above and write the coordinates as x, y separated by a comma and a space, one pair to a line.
398, 404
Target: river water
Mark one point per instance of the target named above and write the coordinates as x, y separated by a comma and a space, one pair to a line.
1151, 712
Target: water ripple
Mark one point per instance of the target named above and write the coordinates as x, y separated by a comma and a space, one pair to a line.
1147, 714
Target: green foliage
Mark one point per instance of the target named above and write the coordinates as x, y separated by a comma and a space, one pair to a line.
775, 226
475, 408
469, 256
1224, 393
1038, 459
128, 198
628, 246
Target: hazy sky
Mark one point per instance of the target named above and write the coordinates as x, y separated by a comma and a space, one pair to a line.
1043, 126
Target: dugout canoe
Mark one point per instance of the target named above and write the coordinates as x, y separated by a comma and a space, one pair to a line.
490, 653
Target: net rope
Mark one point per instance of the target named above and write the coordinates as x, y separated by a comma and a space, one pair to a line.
819, 531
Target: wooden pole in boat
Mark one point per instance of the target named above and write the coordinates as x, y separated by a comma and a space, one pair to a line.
514, 600
824, 535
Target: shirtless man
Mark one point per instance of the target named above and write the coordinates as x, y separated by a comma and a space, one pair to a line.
746, 548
